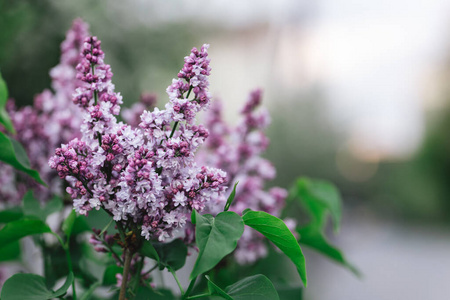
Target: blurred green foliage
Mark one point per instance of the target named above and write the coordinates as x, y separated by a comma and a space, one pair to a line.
29, 37
415, 189
143, 58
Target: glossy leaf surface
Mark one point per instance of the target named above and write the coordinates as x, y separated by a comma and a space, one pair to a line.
215, 238
278, 233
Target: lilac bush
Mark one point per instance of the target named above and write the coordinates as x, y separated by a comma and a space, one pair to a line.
151, 178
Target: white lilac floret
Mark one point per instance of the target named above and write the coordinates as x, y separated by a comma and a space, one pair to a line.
146, 175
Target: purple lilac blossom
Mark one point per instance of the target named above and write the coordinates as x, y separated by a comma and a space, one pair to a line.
238, 152
145, 175
132, 115
48, 123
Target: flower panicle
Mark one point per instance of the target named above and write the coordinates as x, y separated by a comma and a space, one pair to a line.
96, 77
50, 121
145, 175
238, 152
192, 79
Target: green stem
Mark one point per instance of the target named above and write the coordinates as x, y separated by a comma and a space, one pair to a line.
189, 92
149, 271
93, 73
126, 270
173, 129
176, 279
190, 287
176, 123
112, 251
121, 231
199, 296
65, 246
138, 275
106, 227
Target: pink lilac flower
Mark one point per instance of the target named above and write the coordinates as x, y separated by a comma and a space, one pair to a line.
132, 115
48, 123
145, 175
238, 152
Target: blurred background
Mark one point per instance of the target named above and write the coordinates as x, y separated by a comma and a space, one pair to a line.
358, 92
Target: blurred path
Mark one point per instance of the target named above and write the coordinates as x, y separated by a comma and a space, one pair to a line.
399, 262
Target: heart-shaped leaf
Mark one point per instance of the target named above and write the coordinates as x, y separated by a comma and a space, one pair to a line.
257, 287
147, 249
32, 287
215, 238
215, 290
171, 255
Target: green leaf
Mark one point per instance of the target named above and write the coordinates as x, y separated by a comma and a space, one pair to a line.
4, 118
16, 230
144, 292
31, 206
171, 255
215, 290
215, 238
10, 252
109, 276
98, 219
13, 153
54, 205
149, 250
31, 287
320, 196
290, 293
257, 287
68, 223
11, 214
62, 290
231, 197
311, 237
277, 232
80, 225
87, 295
25, 287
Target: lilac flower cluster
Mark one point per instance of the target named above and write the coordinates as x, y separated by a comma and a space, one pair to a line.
238, 152
146, 175
193, 77
48, 123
